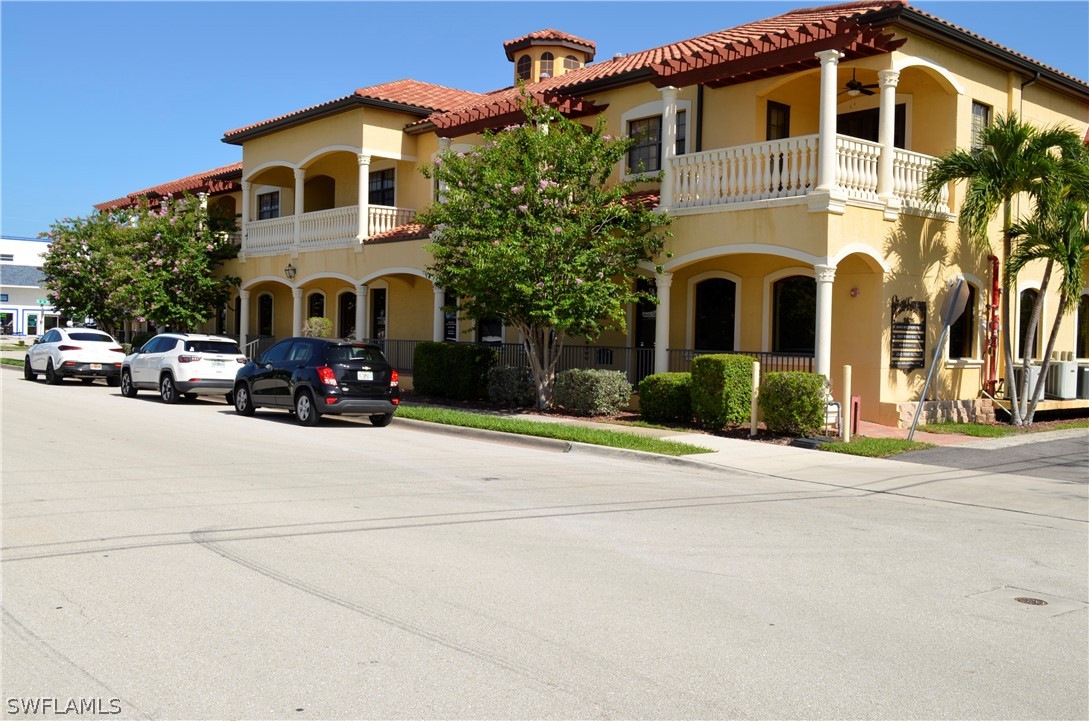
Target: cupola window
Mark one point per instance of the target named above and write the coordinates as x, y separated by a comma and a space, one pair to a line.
546, 65
525, 66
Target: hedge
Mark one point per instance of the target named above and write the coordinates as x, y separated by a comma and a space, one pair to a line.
666, 398
721, 390
452, 370
794, 403
594, 392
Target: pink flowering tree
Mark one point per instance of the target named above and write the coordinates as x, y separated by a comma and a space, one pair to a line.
531, 232
155, 264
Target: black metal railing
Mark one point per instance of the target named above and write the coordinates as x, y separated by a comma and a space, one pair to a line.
680, 360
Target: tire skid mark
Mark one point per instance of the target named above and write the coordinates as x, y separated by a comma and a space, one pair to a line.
205, 538
41, 657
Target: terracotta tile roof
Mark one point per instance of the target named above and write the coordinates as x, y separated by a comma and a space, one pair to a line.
222, 179
412, 231
546, 37
424, 98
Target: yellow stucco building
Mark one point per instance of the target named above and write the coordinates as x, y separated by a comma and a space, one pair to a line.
792, 152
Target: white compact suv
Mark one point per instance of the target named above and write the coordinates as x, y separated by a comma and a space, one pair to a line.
182, 364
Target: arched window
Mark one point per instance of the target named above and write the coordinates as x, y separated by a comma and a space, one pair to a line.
1028, 302
264, 314
962, 334
315, 305
794, 314
1081, 326
570, 63
525, 67
546, 65
713, 325
346, 315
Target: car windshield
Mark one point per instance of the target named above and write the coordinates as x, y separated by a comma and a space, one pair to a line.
341, 353
91, 336
211, 346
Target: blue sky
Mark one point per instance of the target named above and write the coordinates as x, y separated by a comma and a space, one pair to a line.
102, 99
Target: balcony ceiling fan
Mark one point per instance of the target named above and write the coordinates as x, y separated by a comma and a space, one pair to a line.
854, 88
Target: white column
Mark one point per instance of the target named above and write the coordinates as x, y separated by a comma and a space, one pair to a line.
826, 275
886, 132
669, 144
247, 186
296, 311
364, 197
243, 315
826, 158
300, 185
439, 329
661, 323
360, 314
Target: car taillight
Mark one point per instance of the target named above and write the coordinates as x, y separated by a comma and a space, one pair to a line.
241, 360
118, 350
327, 376
69, 347
394, 379
188, 358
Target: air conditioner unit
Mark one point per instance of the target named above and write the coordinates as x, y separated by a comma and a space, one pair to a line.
1062, 380
1033, 374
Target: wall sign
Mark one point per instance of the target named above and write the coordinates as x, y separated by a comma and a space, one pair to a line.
908, 350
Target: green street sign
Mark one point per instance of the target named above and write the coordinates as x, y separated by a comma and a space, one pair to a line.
43, 301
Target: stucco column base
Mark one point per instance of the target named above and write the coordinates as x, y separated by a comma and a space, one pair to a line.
827, 201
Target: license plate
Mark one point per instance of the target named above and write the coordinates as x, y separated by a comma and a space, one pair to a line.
96, 366
218, 363
365, 375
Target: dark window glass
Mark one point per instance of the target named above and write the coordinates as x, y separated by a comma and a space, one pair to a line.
277, 353
1081, 324
1028, 302
645, 156
315, 306
778, 124
268, 205
962, 332
646, 313
211, 346
794, 315
381, 188
264, 315
489, 330
378, 312
682, 132
525, 67
546, 65
346, 315
981, 118
570, 63
450, 316
714, 321
342, 353
864, 125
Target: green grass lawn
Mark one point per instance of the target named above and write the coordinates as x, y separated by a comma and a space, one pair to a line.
12, 362
543, 429
983, 430
875, 447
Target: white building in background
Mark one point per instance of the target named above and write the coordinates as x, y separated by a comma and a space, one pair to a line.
24, 308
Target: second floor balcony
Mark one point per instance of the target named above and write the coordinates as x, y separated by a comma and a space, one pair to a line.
332, 228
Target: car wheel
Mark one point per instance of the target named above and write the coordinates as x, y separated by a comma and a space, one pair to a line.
113, 381
229, 398
243, 403
305, 410
127, 388
51, 376
28, 372
382, 419
167, 391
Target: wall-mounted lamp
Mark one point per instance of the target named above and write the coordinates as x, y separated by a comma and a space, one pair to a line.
855, 292
289, 272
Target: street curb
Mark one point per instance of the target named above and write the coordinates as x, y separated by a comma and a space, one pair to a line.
553, 444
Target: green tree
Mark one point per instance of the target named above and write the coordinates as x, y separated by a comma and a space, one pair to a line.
1057, 235
530, 232
151, 263
1013, 158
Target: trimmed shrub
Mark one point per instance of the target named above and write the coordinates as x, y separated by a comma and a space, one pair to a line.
794, 402
666, 398
452, 370
721, 390
512, 385
592, 392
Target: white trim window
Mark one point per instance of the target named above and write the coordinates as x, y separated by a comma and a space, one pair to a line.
268, 205
644, 124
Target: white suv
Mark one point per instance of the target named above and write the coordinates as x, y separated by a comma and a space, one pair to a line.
182, 364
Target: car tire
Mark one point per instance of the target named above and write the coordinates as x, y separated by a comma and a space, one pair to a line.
381, 420
51, 375
127, 388
306, 412
113, 381
229, 398
167, 391
243, 401
28, 371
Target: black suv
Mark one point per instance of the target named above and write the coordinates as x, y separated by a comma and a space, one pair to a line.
317, 376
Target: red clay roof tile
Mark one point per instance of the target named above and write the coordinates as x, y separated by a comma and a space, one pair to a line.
219, 179
547, 36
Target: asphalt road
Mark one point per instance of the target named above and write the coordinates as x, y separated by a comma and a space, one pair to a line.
1064, 459
185, 563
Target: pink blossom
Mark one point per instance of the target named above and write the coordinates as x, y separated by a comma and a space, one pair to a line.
557, 230
523, 208
517, 188
606, 137
578, 281
209, 247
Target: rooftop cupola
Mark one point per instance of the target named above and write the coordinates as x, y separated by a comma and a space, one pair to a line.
548, 54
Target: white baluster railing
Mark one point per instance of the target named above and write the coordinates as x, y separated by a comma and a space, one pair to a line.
329, 228
268, 236
909, 170
856, 167
383, 217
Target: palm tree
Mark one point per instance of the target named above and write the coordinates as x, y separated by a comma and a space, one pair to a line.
1057, 235
1013, 157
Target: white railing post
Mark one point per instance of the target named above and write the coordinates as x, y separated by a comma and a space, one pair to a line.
364, 197
669, 145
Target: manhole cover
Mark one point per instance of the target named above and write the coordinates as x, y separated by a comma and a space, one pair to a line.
1031, 601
